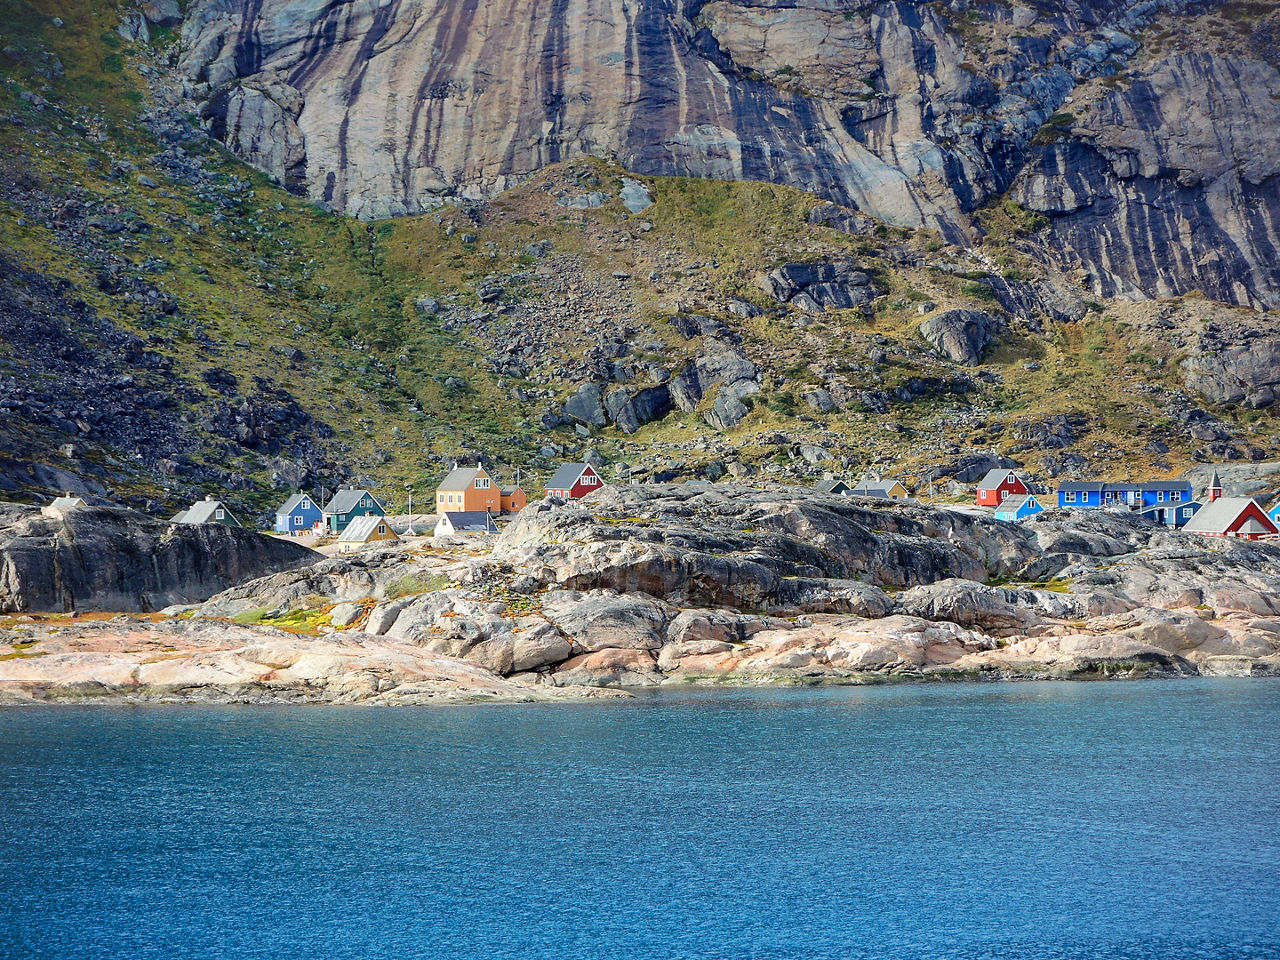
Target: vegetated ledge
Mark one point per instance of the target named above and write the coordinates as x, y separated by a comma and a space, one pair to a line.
690, 584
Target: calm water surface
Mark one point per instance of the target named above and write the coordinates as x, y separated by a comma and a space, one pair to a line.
1116, 820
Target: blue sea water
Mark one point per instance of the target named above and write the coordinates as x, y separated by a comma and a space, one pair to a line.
1047, 820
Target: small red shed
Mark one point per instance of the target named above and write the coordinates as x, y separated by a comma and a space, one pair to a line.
574, 481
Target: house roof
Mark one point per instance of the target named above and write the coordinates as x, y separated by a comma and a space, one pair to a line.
460, 478
830, 485
508, 491
876, 488
994, 478
567, 476
361, 529
1218, 516
1016, 503
1176, 505
1156, 485
203, 511
344, 501
471, 520
66, 503
291, 504
862, 490
1215, 482
1081, 486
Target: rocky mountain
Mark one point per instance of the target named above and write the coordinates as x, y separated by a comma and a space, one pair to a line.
914, 239
1122, 122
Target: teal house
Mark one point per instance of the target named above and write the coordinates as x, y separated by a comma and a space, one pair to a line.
347, 504
1017, 509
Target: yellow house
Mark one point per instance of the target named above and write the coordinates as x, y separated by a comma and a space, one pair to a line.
363, 531
882, 489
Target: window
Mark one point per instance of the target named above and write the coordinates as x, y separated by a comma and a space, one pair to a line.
382, 528
221, 514
305, 505
1160, 496
1176, 496
482, 483
342, 518
364, 502
1070, 497
588, 480
298, 521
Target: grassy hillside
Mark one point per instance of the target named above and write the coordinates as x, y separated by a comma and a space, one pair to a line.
159, 231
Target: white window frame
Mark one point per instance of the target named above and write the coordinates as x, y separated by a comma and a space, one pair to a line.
589, 480
483, 483
1176, 496
220, 514
298, 521
1069, 496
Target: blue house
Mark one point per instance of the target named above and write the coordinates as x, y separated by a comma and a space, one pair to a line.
1150, 493
1135, 496
1172, 514
1017, 509
1080, 495
299, 514
1274, 513
347, 504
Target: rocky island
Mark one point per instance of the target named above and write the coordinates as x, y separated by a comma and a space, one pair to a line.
679, 584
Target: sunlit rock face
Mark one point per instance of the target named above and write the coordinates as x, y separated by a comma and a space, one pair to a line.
910, 113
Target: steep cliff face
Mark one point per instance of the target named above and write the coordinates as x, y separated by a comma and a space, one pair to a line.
916, 114
105, 558
1186, 158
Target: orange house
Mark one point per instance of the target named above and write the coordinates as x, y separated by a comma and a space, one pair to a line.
513, 499
468, 490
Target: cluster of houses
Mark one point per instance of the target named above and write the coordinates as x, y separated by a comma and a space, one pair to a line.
1169, 502
466, 502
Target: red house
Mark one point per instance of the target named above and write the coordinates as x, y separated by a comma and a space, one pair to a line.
574, 481
997, 485
1241, 517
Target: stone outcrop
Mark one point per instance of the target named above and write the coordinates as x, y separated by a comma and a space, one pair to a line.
813, 287
961, 335
1243, 370
916, 114
134, 661
696, 583
740, 547
105, 558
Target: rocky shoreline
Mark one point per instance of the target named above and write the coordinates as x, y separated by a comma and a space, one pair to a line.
686, 584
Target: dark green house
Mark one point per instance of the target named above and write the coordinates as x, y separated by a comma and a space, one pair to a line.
347, 504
